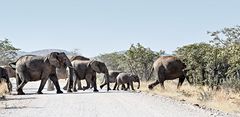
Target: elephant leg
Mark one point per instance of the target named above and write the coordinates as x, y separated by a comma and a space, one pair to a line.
124, 88
54, 80
115, 85
118, 84
153, 84
180, 82
102, 85
18, 80
75, 80
131, 83
50, 86
88, 78
21, 83
79, 85
94, 83
128, 85
65, 87
43, 82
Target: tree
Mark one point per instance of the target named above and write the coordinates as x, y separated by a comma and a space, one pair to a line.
137, 60
7, 52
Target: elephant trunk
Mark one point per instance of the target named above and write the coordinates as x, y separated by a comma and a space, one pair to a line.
70, 75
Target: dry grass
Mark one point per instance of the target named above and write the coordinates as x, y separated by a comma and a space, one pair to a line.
224, 100
3, 88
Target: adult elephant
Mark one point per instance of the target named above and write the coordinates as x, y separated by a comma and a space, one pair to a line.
87, 69
168, 68
62, 73
34, 68
112, 78
126, 78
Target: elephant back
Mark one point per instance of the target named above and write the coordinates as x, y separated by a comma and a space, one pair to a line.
78, 58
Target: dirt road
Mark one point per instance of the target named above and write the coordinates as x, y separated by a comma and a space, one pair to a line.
101, 104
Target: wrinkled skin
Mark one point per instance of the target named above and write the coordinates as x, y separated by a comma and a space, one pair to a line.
4, 75
63, 72
86, 69
34, 68
126, 78
10, 71
112, 78
168, 68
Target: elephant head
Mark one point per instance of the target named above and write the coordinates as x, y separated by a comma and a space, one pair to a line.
65, 62
135, 78
53, 59
61, 62
99, 67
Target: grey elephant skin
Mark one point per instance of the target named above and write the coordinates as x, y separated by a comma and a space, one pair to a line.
34, 68
126, 78
86, 69
168, 68
10, 71
62, 73
112, 78
4, 76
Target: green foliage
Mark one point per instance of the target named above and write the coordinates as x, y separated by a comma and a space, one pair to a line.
215, 63
7, 52
137, 60
140, 59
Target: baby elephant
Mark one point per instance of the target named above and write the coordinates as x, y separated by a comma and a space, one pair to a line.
126, 78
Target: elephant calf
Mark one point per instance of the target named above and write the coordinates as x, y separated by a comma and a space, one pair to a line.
126, 78
112, 78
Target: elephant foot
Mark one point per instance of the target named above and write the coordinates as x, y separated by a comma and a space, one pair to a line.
39, 92
59, 92
95, 90
20, 93
80, 88
65, 88
74, 90
150, 87
84, 88
69, 91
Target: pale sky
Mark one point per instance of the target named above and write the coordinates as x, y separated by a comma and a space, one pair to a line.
104, 26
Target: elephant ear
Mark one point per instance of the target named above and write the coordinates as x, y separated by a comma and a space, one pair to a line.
94, 65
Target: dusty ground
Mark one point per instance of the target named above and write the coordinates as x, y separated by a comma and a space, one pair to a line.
101, 104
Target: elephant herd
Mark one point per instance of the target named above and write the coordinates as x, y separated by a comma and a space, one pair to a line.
57, 65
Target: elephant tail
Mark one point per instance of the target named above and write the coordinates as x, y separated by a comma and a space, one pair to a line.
12, 65
152, 69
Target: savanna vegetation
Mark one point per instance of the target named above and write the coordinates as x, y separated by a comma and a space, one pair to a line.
213, 68
7, 52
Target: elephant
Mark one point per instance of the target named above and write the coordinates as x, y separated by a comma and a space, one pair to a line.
168, 68
34, 68
4, 77
126, 78
87, 69
10, 71
62, 73
112, 78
